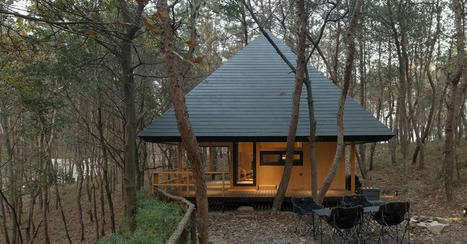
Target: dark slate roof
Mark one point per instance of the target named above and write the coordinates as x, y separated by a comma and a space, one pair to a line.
249, 99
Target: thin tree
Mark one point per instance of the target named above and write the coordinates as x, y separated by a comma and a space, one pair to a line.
105, 168
401, 48
426, 126
450, 120
299, 78
340, 110
189, 140
307, 81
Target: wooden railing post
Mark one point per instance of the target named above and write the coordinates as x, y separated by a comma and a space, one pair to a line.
211, 162
352, 167
179, 167
223, 184
155, 180
188, 183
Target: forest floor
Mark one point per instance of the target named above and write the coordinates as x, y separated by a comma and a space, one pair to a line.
423, 188
56, 227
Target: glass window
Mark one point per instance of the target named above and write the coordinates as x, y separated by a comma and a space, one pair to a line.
277, 158
245, 164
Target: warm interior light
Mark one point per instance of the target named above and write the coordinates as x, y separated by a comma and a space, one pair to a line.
283, 157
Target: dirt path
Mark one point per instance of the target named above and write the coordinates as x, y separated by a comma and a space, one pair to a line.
262, 228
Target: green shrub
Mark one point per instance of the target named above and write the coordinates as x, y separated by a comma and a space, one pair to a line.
155, 222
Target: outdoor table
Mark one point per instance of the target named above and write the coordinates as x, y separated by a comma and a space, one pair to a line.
371, 209
326, 212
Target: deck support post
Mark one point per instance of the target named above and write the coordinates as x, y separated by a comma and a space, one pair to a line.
179, 168
155, 182
211, 161
223, 184
231, 157
352, 167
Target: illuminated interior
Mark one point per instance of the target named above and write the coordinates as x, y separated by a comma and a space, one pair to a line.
245, 167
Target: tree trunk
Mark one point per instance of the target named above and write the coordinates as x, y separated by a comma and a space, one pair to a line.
189, 140
340, 110
94, 201
450, 120
30, 224
102, 204
401, 47
2, 210
392, 145
44, 188
427, 127
79, 166
361, 165
129, 180
311, 140
244, 24
379, 105
299, 77
87, 175
105, 168
362, 147
11, 175
62, 214
335, 60
132, 25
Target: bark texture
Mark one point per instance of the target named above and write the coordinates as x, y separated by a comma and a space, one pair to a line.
450, 120
299, 77
340, 110
189, 140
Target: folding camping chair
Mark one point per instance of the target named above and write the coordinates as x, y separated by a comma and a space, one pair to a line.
304, 207
394, 219
345, 224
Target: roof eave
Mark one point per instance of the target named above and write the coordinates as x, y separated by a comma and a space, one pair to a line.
353, 138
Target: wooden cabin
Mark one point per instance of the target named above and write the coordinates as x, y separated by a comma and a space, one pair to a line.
244, 107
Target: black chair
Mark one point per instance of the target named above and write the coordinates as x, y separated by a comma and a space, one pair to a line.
368, 226
304, 207
394, 219
345, 224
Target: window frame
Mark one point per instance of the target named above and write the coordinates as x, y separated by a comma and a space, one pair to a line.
281, 162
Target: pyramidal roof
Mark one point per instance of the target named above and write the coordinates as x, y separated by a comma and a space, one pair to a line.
249, 98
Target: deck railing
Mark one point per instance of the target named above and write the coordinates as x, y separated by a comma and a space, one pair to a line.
182, 181
187, 225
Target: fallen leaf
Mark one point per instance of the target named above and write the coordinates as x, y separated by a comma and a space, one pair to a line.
90, 33
191, 43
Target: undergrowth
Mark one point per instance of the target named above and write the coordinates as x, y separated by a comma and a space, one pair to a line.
155, 222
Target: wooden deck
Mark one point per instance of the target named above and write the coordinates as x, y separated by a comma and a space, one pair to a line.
251, 194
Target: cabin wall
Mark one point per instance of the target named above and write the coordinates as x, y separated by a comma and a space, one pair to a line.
268, 176
325, 152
